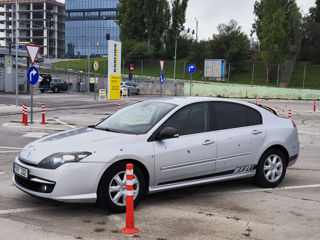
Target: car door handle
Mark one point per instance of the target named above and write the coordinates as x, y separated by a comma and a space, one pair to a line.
208, 142
254, 132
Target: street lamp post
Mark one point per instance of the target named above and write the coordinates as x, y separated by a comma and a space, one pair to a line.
17, 82
88, 61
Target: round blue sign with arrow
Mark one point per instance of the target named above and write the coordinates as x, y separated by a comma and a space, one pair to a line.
161, 78
191, 68
33, 75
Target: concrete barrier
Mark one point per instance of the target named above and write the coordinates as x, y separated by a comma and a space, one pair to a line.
248, 91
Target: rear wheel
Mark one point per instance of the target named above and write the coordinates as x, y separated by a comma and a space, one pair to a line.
42, 91
271, 168
56, 89
112, 188
138, 92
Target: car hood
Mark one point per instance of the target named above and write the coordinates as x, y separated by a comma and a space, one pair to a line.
77, 140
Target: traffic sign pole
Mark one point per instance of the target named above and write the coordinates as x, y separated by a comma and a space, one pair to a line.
191, 85
191, 68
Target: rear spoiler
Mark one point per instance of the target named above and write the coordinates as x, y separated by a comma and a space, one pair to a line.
268, 109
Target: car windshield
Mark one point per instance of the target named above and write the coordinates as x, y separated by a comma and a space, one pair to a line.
137, 118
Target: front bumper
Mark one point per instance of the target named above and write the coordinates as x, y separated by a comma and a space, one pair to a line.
71, 182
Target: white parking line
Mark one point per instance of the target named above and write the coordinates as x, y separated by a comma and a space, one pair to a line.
12, 125
259, 190
10, 147
59, 121
11, 151
20, 210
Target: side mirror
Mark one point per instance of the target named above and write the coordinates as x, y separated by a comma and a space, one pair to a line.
168, 132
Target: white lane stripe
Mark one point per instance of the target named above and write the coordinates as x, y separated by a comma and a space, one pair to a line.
259, 190
59, 121
20, 210
10, 147
1, 173
44, 127
10, 151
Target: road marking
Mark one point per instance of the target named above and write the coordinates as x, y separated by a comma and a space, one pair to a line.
259, 190
313, 134
59, 121
35, 134
21, 210
10, 147
43, 128
1, 173
11, 151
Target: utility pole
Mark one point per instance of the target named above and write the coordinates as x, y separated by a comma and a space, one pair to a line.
197, 28
175, 58
17, 82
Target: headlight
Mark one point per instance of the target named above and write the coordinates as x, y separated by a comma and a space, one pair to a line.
57, 159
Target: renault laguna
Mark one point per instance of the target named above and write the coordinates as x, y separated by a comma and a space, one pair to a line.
173, 142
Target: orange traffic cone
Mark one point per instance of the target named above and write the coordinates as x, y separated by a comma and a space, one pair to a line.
119, 105
129, 229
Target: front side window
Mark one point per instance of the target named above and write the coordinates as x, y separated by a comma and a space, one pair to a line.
137, 118
190, 120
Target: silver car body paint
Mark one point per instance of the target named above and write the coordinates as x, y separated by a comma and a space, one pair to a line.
233, 151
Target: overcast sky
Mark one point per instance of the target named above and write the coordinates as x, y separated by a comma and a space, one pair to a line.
210, 13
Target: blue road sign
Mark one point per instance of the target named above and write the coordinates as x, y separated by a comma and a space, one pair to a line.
191, 68
161, 78
33, 75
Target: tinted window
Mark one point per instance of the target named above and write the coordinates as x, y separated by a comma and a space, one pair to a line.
229, 115
191, 119
254, 117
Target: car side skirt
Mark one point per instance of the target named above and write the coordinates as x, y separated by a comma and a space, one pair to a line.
212, 179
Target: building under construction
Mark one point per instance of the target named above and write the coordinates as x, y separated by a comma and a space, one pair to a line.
41, 22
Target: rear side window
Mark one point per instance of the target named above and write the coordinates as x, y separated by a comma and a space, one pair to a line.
232, 115
229, 115
254, 117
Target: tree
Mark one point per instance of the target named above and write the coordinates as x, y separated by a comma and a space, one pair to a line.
178, 18
133, 49
311, 39
131, 20
278, 28
157, 18
230, 43
145, 21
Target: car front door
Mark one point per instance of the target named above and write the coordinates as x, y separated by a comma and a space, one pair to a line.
190, 155
240, 134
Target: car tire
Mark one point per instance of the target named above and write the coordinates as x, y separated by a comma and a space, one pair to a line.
42, 91
107, 198
56, 89
138, 92
271, 168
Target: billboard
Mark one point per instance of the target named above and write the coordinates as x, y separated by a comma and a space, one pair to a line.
114, 69
215, 69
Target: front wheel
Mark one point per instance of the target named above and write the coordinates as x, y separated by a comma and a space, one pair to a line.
112, 188
271, 168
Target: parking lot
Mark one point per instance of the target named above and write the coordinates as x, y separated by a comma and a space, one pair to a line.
227, 210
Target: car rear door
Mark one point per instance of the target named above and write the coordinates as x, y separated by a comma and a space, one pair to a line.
190, 155
240, 134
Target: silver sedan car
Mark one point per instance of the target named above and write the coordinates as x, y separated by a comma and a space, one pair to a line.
173, 142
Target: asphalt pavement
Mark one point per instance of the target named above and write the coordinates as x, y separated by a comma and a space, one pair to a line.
226, 210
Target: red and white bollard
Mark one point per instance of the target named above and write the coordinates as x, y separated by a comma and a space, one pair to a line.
256, 100
25, 115
43, 115
289, 113
23, 118
119, 105
129, 229
314, 105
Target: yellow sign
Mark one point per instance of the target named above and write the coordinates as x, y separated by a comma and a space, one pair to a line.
114, 88
93, 80
95, 65
9, 61
102, 94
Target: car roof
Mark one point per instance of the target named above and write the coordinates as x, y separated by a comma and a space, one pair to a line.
185, 100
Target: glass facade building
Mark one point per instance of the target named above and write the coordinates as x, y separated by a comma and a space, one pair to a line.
87, 23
